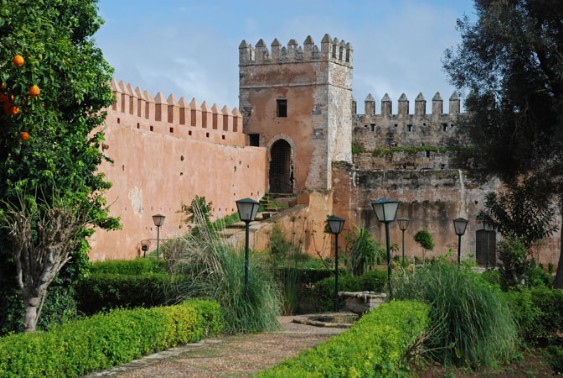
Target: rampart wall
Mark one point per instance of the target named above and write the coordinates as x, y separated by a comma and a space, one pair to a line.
164, 153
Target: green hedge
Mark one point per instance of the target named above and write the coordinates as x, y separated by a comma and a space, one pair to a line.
539, 314
374, 347
136, 266
106, 340
104, 291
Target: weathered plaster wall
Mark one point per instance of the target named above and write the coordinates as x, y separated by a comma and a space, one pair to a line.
155, 170
431, 199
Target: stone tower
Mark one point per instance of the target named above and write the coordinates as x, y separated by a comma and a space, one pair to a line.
297, 102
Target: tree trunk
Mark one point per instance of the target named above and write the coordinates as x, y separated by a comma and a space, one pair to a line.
32, 308
559, 275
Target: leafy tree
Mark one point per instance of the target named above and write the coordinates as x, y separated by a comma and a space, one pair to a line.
520, 211
424, 239
510, 61
54, 83
198, 211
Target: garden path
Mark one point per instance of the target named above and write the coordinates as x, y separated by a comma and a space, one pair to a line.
227, 356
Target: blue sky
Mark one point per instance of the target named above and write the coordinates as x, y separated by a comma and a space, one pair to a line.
190, 48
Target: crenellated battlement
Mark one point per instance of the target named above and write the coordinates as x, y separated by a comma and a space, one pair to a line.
385, 129
419, 106
331, 49
140, 111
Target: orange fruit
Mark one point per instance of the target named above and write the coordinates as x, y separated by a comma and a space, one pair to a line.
14, 110
24, 135
18, 60
34, 91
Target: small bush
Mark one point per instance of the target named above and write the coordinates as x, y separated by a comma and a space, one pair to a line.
137, 266
100, 292
538, 313
374, 280
106, 340
555, 358
363, 252
492, 276
375, 346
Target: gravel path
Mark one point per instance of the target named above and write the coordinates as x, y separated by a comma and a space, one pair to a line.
228, 356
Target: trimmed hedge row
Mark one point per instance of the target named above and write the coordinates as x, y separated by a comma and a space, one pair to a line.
374, 347
136, 266
106, 340
104, 291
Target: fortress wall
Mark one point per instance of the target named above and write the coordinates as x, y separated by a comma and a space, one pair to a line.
156, 171
422, 160
431, 199
380, 130
137, 109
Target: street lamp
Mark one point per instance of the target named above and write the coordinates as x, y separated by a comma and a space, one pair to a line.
386, 210
158, 220
335, 225
460, 224
247, 210
488, 229
145, 244
403, 225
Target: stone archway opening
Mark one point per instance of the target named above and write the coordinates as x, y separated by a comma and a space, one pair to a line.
281, 168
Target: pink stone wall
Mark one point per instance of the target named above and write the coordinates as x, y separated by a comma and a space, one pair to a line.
160, 163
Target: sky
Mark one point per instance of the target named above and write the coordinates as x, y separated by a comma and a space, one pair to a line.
190, 48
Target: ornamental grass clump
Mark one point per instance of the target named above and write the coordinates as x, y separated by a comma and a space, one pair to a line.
214, 269
470, 322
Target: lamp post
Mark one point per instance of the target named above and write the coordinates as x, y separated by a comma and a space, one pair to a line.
158, 220
335, 225
386, 210
460, 224
145, 244
488, 228
403, 225
247, 210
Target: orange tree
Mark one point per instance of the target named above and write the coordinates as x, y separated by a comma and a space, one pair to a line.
54, 85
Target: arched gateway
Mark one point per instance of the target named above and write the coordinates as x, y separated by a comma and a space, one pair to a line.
281, 168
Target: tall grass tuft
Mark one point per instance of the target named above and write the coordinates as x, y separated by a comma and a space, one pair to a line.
215, 270
470, 322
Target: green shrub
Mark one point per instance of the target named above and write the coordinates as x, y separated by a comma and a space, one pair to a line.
323, 292
138, 266
470, 322
106, 340
375, 346
555, 358
363, 252
373, 280
492, 276
538, 313
214, 269
100, 291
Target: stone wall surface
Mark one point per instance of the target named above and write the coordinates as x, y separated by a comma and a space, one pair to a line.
155, 170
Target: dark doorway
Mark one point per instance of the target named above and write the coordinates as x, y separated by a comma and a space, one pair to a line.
281, 168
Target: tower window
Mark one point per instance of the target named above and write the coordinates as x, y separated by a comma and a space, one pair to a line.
281, 109
254, 140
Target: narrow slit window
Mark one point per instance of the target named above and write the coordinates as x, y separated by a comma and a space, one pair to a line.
281, 107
